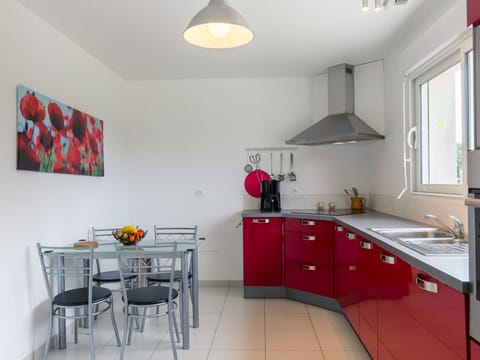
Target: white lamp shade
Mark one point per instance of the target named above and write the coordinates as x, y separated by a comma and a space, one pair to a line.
218, 26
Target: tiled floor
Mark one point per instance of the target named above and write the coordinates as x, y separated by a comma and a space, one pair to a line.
234, 328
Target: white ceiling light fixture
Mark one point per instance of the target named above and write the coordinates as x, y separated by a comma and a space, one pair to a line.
378, 5
365, 5
218, 26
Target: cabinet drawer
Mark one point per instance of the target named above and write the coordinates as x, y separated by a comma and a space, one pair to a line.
321, 227
309, 247
309, 277
346, 246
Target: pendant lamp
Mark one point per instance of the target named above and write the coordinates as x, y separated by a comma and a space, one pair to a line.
218, 26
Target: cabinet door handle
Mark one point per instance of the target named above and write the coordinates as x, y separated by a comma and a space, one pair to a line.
309, 237
309, 267
387, 259
351, 236
307, 222
352, 267
426, 285
338, 228
261, 221
366, 245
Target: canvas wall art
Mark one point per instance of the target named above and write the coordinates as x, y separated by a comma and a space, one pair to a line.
53, 137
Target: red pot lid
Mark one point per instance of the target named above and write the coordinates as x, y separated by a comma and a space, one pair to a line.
252, 182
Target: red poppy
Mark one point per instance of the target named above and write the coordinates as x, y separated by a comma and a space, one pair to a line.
78, 124
60, 169
32, 108
27, 159
44, 138
74, 157
92, 142
56, 116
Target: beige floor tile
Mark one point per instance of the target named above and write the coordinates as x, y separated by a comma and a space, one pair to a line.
345, 355
294, 355
237, 355
239, 339
339, 340
207, 320
284, 306
236, 305
330, 321
242, 321
181, 354
291, 340
288, 322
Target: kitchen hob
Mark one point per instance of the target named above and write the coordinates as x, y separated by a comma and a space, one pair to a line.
336, 212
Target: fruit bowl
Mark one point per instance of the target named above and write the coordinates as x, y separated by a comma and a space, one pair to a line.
129, 237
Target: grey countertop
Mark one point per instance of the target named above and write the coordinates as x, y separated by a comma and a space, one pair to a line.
451, 270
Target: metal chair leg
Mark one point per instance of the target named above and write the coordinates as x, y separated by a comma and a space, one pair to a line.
49, 335
92, 340
170, 330
175, 325
76, 325
114, 322
130, 327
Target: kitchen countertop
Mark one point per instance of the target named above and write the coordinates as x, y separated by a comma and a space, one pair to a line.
451, 270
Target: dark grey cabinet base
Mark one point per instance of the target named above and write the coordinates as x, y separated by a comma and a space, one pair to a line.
281, 292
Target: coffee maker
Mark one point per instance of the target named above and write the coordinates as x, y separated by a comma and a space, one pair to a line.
270, 199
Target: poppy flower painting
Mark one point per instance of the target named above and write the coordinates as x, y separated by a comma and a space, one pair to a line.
53, 137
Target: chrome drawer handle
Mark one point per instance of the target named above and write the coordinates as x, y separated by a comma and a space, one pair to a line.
351, 236
427, 285
352, 268
261, 221
387, 259
338, 228
309, 267
309, 237
307, 223
366, 245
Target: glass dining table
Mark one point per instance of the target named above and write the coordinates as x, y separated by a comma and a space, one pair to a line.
184, 248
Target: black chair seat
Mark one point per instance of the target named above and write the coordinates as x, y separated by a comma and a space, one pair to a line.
79, 296
110, 276
150, 295
165, 277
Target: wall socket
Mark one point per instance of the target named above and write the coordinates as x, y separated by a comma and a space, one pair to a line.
198, 193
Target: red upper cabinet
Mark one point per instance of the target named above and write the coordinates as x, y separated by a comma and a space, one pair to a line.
262, 252
473, 12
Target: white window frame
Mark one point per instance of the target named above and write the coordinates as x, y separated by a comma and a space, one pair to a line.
430, 68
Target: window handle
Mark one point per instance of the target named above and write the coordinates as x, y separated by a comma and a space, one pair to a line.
412, 144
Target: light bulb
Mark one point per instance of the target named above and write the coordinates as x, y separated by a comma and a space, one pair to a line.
218, 30
365, 5
378, 6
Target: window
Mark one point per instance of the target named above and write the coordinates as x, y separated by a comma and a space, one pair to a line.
441, 110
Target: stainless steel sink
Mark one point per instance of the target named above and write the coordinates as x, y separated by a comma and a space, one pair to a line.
427, 241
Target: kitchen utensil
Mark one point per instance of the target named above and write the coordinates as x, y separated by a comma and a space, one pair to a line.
355, 191
255, 160
253, 180
348, 193
281, 176
291, 174
271, 165
358, 204
248, 168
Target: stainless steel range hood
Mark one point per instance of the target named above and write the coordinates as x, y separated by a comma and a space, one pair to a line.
341, 125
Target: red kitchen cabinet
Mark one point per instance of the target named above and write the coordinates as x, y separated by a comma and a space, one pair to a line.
418, 316
473, 12
262, 252
309, 256
368, 304
474, 350
347, 274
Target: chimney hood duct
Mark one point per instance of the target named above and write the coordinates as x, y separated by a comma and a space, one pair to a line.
341, 125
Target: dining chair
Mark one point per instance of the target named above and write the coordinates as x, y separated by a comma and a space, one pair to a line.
151, 260
174, 234
104, 236
61, 267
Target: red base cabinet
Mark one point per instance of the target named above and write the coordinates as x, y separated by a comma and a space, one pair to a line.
474, 350
309, 256
473, 12
262, 252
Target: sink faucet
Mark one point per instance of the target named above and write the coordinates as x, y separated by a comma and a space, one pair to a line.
457, 229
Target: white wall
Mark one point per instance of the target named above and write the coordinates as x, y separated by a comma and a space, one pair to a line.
419, 39
192, 134
49, 208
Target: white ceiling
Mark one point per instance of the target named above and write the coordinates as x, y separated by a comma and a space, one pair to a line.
142, 39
